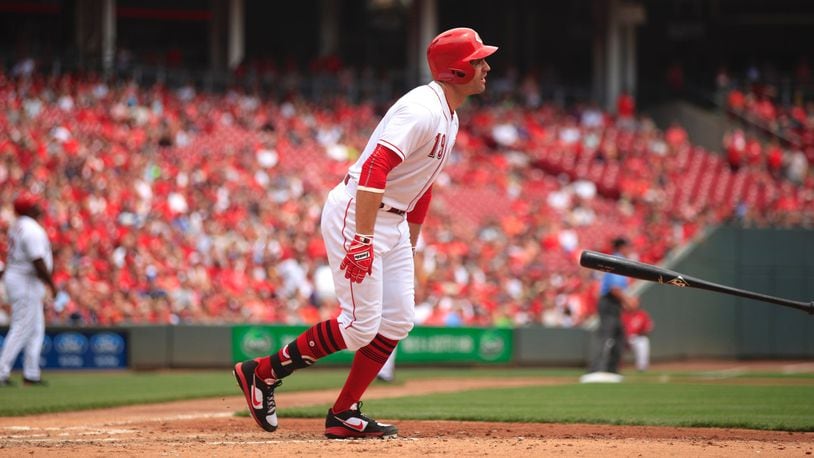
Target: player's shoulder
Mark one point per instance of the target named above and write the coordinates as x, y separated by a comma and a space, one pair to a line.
30, 225
421, 101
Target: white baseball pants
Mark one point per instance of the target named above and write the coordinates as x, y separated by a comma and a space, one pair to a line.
384, 302
27, 329
641, 351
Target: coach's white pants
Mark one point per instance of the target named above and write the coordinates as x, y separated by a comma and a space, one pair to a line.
27, 329
384, 302
641, 351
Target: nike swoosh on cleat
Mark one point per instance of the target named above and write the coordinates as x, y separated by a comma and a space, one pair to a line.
257, 397
356, 424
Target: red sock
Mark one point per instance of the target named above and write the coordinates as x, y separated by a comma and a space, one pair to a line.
316, 342
366, 364
263, 369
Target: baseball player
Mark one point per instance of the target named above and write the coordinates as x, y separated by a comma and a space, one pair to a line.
27, 272
638, 325
370, 223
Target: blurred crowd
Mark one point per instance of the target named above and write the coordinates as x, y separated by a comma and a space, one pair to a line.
777, 114
173, 205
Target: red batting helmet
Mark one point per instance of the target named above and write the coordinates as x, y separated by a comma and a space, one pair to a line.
25, 202
450, 52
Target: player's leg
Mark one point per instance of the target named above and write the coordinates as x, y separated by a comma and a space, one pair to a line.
641, 351
396, 322
604, 337
355, 327
31, 360
615, 351
16, 287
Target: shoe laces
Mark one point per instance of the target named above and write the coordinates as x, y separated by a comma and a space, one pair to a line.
270, 394
358, 412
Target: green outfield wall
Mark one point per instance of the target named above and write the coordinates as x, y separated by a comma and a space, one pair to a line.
693, 323
424, 345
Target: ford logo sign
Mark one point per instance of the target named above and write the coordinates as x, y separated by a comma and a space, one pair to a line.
107, 342
46, 344
70, 342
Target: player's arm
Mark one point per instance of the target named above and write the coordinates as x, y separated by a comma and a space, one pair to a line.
618, 289
358, 261
45, 275
627, 301
367, 207
415, 219
372, 182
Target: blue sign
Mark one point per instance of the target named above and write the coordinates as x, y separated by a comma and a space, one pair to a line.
80, 350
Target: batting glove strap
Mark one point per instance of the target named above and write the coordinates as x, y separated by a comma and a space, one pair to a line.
358, 260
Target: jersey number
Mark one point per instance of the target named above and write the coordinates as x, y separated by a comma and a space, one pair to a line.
438, 147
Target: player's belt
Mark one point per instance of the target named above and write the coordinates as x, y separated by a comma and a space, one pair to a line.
382, 205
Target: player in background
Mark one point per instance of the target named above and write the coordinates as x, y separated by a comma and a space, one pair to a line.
613, 298
638, 326
27, 272
388, 371
370, 223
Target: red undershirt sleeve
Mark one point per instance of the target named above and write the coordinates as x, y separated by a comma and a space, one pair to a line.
421, 207
375, 169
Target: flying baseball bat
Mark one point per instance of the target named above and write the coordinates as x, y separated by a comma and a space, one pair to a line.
628, 268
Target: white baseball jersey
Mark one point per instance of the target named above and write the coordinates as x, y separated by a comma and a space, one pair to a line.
421, 129
27, 242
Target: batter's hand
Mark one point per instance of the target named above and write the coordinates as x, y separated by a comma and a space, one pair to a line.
358, 260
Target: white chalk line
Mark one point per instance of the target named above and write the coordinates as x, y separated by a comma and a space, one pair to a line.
801, 368
94, 433
192, 441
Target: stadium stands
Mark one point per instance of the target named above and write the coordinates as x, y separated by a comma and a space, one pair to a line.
173, 205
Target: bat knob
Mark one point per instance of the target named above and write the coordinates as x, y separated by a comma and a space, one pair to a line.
811, 308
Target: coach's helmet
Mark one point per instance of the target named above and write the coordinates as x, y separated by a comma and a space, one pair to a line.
25, 203
450, 52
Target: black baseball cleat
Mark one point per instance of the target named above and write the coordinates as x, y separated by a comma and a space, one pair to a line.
32, 382
352, 424
259, 394
6, 383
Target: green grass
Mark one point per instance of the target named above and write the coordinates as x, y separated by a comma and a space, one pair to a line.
88, 390
673, 398
77, 391
68, 391
787, 408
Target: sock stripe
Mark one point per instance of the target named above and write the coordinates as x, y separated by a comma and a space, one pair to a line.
376, 357
321, 345
330, 332
384, 348
277, 369
322, 330
296, 356
325, 331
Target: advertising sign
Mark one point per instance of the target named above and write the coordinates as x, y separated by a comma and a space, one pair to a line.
80, 349
424, 345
